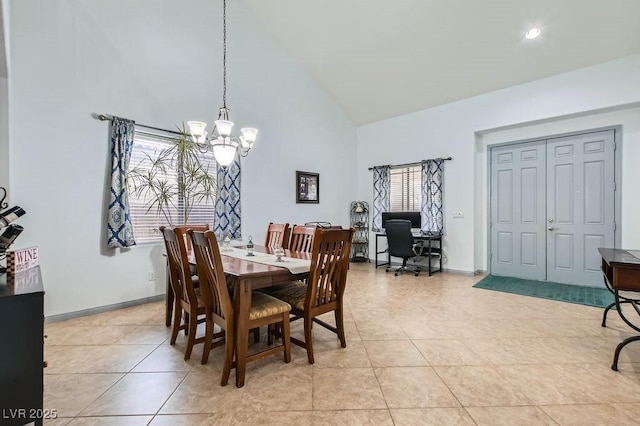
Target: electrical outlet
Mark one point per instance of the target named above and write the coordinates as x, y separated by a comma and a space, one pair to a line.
458, 215
152, 276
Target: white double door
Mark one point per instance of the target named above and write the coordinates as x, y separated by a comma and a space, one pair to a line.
552, 206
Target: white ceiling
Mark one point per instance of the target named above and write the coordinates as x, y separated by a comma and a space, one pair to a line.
384, 58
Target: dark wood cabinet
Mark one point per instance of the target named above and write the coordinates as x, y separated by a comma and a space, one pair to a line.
21, 356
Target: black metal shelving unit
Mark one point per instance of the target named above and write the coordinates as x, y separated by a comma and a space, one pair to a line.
359, 220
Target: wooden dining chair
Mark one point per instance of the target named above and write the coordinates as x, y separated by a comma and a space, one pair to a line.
187, 302
277, 235
187, 239
265, 310
302, 238
194, 273
324, 288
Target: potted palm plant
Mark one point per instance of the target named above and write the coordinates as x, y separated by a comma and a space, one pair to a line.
174, 180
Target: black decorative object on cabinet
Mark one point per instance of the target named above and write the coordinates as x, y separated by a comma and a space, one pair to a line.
8, 231
359, 220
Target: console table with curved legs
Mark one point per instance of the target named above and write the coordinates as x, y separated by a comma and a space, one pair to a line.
621, 269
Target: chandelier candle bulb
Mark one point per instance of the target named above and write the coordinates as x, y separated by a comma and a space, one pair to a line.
197, 129
202, 139
224, 127
248, 137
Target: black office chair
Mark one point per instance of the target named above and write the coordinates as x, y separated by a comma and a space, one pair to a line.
401, 244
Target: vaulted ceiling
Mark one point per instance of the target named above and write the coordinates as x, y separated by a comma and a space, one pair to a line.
383, 58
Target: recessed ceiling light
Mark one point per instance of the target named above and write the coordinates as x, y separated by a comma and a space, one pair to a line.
533, 33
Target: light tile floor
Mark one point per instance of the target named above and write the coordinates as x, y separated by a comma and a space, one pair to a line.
420, 350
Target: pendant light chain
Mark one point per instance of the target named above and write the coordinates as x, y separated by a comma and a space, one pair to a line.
224, 54
224, 145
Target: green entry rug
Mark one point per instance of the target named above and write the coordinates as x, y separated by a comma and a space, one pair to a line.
591, 296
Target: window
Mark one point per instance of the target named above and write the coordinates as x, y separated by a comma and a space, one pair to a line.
144, 213
405, 193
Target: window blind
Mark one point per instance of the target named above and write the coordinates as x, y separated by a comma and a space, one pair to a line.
405, 193
145, 217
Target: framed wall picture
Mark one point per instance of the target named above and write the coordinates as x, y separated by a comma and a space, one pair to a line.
307, 187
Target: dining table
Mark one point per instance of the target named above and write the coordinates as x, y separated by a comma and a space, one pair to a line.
244, 274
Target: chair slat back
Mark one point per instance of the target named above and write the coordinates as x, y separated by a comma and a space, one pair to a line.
277, 235
195, 227
329, 264
211, 274
181, 282
302, 238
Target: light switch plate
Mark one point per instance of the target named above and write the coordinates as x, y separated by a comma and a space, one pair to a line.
458, 215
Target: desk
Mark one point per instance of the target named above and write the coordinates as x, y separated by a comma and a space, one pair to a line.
420, 237
245, 276
621, 269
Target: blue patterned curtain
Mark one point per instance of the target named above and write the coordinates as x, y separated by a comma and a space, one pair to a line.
381, 187
120, 231
432, 185
227, 220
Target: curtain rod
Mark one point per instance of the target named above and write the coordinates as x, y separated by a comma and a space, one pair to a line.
410, 164
107, 117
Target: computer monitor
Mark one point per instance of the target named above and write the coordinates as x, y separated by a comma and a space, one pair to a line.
414, 217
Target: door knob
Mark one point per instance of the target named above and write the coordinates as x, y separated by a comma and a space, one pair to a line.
551, 228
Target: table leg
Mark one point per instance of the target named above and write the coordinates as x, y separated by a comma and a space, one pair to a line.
624, 343
377, 264
169, 296
243, 305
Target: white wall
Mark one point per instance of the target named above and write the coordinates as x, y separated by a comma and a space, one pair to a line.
450, 130
4, 36
4, 94
4, 133
160, 63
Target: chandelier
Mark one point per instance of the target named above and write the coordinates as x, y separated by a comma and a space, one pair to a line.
224, 145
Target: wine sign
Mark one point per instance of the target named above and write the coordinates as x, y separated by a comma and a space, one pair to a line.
21, 260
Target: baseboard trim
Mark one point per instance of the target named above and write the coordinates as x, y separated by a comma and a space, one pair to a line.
458, 271
101, 309
423, 267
